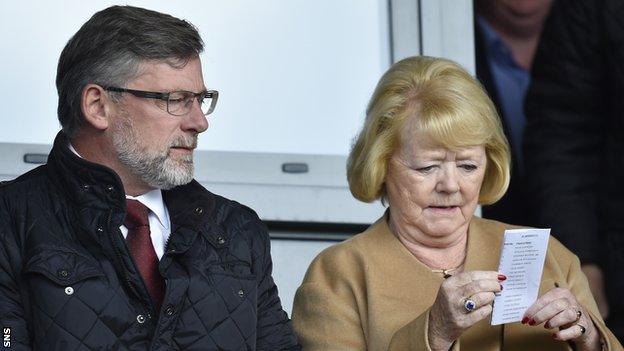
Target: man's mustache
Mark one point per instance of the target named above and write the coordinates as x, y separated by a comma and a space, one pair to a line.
188, 142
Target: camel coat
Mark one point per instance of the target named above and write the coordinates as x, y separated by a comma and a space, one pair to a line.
371, 293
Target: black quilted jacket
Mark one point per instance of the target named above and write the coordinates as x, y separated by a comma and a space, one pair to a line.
574, 141
67, 280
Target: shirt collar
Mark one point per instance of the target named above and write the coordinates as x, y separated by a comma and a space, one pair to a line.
490, 36
152, 199
73, 149
494, 45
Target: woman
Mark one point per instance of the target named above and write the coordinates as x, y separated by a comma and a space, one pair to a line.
432, 148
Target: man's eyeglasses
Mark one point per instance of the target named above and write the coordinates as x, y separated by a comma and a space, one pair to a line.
177, 103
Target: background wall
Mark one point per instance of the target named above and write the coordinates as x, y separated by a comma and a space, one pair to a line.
294, 76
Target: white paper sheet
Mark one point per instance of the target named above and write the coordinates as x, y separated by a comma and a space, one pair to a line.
522, 261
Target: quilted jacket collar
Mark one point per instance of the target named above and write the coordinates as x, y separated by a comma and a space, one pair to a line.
88, 185
94, 187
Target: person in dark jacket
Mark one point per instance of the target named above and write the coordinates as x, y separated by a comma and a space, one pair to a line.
112, 245
574, 142
506, 37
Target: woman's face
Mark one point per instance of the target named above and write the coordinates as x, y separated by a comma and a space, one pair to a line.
433, 191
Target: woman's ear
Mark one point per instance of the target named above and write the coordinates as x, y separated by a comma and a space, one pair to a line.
94, 107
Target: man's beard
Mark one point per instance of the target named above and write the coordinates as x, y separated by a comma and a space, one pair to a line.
154, 167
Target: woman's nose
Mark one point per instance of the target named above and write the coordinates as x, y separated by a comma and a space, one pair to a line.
447, 180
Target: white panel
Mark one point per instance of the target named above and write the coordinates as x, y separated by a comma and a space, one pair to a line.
405, 28
291, 259
256, 180
301, 203
447, 30
294, 75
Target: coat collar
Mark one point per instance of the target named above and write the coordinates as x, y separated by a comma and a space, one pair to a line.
88, 185
482, 250
485, 239
95, 189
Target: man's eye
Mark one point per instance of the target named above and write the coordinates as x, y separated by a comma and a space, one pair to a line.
180, 98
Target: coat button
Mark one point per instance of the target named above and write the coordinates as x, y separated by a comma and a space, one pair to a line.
63, 273
141, 319
110, 188
100, 230
86, 187
69, 290
220, 240
241, 293
169, 311
199, 210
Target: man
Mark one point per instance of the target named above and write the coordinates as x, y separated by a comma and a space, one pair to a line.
574, 142
112, 245
506, 37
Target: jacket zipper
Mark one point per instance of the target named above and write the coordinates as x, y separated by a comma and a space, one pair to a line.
120, 262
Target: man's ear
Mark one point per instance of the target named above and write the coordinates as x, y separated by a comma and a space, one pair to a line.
95, 106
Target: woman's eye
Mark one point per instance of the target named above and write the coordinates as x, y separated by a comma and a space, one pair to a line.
469, 168
425, 169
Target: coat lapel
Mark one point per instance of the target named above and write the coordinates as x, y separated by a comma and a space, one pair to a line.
484, 245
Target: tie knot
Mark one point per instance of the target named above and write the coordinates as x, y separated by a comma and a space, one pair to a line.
136, 214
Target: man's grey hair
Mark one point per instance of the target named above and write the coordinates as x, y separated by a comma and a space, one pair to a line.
108, 49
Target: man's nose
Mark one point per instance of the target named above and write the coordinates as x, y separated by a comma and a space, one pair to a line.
195, 120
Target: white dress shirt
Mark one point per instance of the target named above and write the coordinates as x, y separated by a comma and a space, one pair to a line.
158, 216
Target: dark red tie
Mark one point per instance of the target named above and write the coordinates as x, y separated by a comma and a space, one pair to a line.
140, 245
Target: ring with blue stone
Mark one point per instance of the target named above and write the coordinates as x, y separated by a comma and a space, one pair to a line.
470, 305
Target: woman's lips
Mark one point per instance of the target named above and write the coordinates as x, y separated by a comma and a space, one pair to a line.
443, 209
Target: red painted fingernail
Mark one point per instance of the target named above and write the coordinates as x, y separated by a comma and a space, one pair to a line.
554, 336
525, 320
546, 325
502, 277
531, 321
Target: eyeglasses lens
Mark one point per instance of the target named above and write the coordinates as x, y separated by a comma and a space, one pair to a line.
181, 103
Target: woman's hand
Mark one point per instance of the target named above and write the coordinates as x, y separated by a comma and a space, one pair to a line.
559, 308
450, 315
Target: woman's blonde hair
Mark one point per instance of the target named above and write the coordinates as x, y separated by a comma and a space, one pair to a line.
451, 107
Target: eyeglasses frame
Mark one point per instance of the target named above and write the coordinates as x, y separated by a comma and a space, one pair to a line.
212, 94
